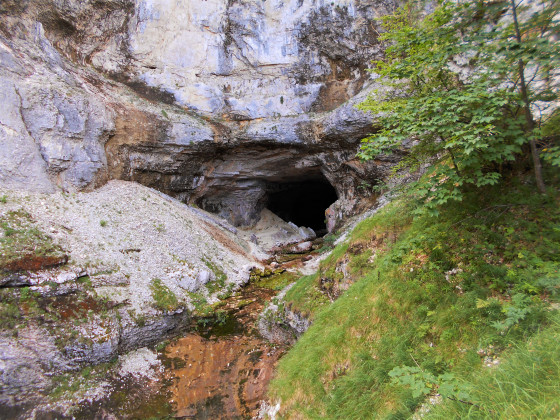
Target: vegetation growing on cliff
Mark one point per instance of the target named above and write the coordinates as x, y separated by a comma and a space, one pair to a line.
448, 295
471, 86
24, 246
455, 286
164, 298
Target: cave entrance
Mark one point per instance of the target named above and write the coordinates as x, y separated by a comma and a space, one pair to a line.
302, 202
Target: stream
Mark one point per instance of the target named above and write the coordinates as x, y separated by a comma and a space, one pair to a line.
219, 368
222, 372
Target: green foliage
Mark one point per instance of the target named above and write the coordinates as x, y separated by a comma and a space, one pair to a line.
221, 317
452, 88
515, 311
552, 155
4, 199
480, 276
424, 383
103, 223
523, 386
164, 298
550, 126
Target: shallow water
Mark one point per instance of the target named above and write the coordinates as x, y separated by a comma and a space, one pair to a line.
222, 372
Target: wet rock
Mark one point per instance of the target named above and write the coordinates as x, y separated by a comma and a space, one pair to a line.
223, 371
278, 324
212, 384
300, 248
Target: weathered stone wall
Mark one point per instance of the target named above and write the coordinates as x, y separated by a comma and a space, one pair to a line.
206, 100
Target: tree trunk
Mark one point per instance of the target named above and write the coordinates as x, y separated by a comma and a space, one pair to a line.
527, 108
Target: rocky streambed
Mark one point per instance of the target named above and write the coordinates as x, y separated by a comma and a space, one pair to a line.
218, 369
83, 334
223, 371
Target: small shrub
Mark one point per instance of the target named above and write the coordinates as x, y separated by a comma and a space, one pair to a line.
422, 382
103, 223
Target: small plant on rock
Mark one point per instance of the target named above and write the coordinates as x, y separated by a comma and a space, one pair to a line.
164, 298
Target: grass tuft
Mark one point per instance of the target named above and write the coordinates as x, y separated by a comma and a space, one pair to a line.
164, 298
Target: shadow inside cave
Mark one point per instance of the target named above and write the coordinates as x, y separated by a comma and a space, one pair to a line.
302, 202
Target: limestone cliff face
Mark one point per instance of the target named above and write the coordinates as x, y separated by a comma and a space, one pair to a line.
211, 101
253, 59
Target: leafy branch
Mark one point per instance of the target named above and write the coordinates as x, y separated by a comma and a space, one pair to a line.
461, 87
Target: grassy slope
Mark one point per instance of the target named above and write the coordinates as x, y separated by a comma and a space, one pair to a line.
526, 385
436, 293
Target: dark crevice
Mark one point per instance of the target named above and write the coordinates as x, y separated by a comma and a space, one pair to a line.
302, 202
145, 91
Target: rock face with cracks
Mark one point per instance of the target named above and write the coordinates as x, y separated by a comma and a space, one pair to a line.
208, 101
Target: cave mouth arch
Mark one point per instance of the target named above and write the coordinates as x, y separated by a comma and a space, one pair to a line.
302, 202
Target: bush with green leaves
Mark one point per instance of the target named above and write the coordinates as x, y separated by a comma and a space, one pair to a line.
462, 87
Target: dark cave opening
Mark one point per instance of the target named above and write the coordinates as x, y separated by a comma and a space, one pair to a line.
302, 202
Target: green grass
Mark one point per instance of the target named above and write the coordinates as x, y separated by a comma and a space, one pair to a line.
220, 276
525, 385
431, 292
164, 298
276, 281
305, 297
